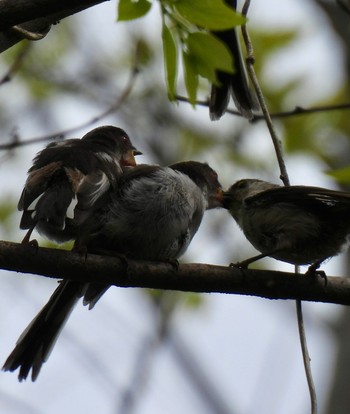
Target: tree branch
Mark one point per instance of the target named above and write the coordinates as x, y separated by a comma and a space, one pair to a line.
297, 111
13, 12
34, 17
193, 277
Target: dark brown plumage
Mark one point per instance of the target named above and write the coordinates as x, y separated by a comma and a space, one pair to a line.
68, 177
296, 224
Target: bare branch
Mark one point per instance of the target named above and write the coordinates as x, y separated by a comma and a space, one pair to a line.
306, 357
251, 71
297, 111
193, 277
16, 65
61, 134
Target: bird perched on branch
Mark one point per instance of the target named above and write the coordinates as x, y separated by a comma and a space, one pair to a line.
297, 224
68, 177
152, 214
235, 84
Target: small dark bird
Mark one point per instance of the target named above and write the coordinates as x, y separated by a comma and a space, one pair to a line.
152, 214
68, 177
297, 224
235, 83
155, 212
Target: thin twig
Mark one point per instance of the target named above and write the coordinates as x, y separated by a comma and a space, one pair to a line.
306, 357
206, 387
116, 105
284, 177
251, 71
16, 64
140, 376
298, 110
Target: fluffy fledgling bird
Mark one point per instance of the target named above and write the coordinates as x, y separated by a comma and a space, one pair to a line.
298, 224
152, 214
68, 177
235, 84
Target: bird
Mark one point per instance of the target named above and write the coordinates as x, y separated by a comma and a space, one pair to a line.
235, 84
68, 177
152, 214
301, 225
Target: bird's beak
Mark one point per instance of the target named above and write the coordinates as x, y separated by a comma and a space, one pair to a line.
128, 159
216, 201
226, 199
220, 195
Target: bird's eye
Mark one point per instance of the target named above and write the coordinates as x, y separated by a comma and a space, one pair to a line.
125, 139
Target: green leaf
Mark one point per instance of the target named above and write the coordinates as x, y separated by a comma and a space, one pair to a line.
132, 9
191, 77
209, 14
170, 60
342, 175
209, 55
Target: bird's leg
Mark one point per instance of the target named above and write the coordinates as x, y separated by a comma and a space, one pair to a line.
26, 238
28, 34
245, 263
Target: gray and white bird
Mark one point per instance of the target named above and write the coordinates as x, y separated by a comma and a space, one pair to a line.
298, 224
152, 214
68, 177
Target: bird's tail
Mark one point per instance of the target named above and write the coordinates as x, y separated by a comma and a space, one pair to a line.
36, 342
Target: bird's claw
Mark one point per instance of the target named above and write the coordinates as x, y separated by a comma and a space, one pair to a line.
31, 243
313, 271
239, 265
174, 264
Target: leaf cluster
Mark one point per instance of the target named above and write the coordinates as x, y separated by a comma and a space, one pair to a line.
187, 33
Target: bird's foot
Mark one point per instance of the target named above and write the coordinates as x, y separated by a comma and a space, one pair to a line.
313, 271
174, 264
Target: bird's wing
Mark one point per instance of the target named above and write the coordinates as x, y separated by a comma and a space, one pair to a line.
313, 198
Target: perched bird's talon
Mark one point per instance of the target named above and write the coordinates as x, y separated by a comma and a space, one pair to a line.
81, 250
174, 264
31, 243
313, 272
239, 265
34, 243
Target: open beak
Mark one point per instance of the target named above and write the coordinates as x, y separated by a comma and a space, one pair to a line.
217, 199
219, 195
129, 158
